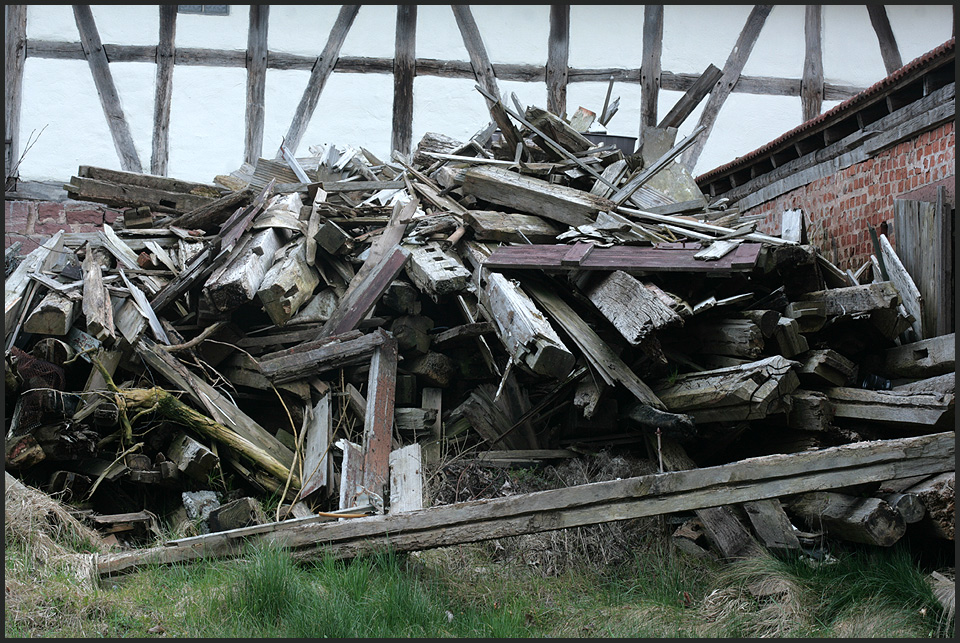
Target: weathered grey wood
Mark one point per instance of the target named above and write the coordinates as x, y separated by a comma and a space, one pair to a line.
238, 280
810, 411
733, 337
627, 190
791, 225
613, 174
318, 432
491, 419
378, 423
850, 300
907, 505
925, 248
826, 366
533, 196
191, 457
256, 62
312, 358
692, 97
907, 289
558, 130
789, 340
165, 58
288, 283
863, 520
701, 227
97, 307
489, 225
771, 524
945, 383
322, 68
406, 479
811, 85
938, 495
888, 43
404, 71
731, 74
15, 54
631, 308
54, 315
598, 353
903, 408
558, 49
107, 91
748, 391
436, 271
754, 479
652, 48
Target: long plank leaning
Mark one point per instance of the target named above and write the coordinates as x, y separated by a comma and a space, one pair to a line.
599, 502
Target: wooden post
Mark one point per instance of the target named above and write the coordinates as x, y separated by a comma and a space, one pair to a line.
256, 81
731, 74
404, 71
15, 53
888, 44
321, 71
109, 99
650, 67
558, 50
166, 58
378, 424
811, 85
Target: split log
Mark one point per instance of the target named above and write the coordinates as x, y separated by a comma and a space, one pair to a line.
733, 337
834, 302
767, 320
925, 358
862, 520
191, 457
892, 407
488, 225
97, 307
907, 504
938, 495
753, 479
632, 309
433, 369
810, 411
288, 284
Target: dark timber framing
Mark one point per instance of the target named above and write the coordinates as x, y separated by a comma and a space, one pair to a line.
404, 71
811, 86
166, 56
256, 82
405, 66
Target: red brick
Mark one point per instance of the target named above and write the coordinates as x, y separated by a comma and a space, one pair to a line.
47, 227
93, 217
48, 210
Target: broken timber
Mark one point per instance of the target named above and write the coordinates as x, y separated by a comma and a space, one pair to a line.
744, 481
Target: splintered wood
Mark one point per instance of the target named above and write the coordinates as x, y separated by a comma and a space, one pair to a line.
322, 330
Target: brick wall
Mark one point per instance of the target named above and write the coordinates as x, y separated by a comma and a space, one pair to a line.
840, 209
33, 222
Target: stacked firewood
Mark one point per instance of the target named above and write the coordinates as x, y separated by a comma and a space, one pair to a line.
324, 329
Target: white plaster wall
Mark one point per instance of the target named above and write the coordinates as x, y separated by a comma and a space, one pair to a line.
207, 114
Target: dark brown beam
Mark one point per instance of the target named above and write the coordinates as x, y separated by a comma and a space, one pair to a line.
650, 65
103, 79
404, 71
256, 81
558, 53
689, 101
811, 87
166, 57
888, 44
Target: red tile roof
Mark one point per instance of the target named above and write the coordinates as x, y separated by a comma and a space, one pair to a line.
944, 50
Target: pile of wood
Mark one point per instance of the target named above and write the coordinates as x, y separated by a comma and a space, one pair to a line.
323, 330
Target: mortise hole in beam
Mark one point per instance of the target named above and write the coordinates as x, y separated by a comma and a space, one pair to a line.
920, 353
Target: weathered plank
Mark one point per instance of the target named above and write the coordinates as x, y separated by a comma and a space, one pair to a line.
691, 98
631, 308
318, 431
918, 409
322, 68
558, 50
406, 479
378, 423
905, 286
811, 85
312, 358
15, 54
489, 225
404, 71
925, 358
166, 55
744, 481
652, 47
256, 82
106, 90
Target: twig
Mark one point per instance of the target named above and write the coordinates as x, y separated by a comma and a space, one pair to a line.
207, 332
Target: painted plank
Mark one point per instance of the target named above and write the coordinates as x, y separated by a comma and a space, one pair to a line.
558, 54
103, 79
731, 74
319, 75
404, 71
256, 82
811, 86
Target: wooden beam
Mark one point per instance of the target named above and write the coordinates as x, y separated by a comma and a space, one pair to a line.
404, 71
655, 494
256, 82
166, 58
15, 53
378, 422
650, 67
558, 55
689, 101
888, 44
321, 71
103, 79
731, 74
811, 86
